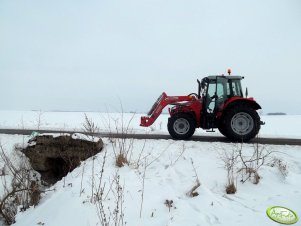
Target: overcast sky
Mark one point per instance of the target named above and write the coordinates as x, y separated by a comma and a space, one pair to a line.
89, 55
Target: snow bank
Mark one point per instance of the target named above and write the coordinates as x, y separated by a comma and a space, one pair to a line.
169, 175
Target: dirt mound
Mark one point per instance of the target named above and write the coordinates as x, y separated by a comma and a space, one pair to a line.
54, 156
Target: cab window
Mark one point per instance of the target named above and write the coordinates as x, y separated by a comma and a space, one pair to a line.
234, 88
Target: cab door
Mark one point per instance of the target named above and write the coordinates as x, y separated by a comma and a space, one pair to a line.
216, 94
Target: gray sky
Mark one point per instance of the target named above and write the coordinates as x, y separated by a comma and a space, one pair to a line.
88, 55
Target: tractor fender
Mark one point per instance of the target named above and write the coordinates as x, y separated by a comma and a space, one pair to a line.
245, 101
193, 110
241, 101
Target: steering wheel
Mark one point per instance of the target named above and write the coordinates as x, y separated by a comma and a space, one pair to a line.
214, 97
193, 95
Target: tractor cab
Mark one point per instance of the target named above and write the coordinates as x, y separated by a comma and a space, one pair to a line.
217, 90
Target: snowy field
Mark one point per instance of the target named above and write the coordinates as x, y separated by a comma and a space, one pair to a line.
161, 170
287, 126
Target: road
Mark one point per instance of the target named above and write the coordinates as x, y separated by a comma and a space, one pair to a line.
271, 141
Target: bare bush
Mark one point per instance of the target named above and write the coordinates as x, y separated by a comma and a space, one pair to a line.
240, 164
106, 216
192, 192
118, 214
230, 162
21, 186
101, 197
281, 166
38, 120
90, 126
251, 174
250, 164
122, 145
143, 184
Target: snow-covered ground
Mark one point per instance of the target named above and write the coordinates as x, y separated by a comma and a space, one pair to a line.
275, 126
166, 169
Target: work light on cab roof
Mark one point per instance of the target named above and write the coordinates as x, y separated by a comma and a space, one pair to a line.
218, 103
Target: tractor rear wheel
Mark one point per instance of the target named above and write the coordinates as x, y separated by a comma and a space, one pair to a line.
241, 123
221, 129
181, 126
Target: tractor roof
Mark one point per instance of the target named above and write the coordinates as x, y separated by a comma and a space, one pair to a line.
213, 77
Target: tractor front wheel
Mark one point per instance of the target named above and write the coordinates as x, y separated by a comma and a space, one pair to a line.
181, 126
241, 123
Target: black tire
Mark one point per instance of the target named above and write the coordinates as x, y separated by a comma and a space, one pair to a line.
181, 126
241, 123
221, 129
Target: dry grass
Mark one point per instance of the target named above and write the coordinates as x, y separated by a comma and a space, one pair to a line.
281, 166
121, 160
251, 173
231, 188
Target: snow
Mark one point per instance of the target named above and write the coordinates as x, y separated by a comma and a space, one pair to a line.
285, 126
168, 166
85, 137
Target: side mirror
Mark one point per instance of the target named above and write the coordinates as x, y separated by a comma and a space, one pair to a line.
246, 92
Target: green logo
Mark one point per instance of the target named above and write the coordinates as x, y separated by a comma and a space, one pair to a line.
282, 215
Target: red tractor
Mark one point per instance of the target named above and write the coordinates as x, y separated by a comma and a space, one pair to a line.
219, 103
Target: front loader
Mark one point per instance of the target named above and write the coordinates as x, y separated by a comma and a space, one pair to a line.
219, 103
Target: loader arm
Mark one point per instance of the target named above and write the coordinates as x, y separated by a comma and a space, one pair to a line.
159, 105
